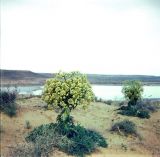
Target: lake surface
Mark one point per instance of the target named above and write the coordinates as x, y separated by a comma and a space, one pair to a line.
107, 92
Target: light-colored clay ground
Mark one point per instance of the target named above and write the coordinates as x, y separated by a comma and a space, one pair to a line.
98, 116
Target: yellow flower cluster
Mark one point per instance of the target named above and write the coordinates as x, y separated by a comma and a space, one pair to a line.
68, 90
132, 90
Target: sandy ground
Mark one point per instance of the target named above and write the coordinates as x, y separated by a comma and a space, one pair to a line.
98, 116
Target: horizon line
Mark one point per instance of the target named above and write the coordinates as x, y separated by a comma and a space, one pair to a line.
85, 73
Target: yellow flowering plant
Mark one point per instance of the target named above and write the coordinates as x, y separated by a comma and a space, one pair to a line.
67, 91
132, 91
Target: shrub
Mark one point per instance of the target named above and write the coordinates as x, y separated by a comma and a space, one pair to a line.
67, 91
125, 126
7, 102
143, 114
78, 141
7, 97
10, 109
147, 105
136, 111
132, 91
82, 141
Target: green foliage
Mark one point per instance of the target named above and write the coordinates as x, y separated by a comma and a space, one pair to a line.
7, 102
132, 91
11, 109
75, 140
148, 105
67, 91
136, 111
143, 114
125, 126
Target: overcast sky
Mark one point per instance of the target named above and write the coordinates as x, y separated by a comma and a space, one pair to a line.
91, 36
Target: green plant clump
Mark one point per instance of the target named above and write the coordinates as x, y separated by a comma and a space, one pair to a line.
65, 92
132, 91
125, 126
7, 102
77, 141
143, 114
135, 111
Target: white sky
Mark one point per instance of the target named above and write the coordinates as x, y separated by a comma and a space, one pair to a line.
91, 36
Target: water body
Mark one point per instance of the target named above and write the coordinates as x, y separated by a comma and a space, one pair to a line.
107, 92
114, 92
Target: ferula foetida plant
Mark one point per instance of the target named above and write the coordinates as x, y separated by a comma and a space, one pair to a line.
132, 91
67, 91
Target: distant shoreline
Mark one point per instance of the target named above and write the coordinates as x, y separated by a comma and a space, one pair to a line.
29, 78
24, 85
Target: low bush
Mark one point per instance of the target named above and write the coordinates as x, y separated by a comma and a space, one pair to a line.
75, 140
143, 114
148, 105
7, 97
127, 127
10, 110
136, 111
7, 102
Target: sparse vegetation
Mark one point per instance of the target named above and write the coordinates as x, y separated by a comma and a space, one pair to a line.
67, 91
27, 150
7, 102
149, 105
24, 150
126, 127
98, 117
134, 111
74, 140
132, 91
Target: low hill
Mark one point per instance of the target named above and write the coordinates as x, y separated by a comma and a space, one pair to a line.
118, 79
20, 74
21, 77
